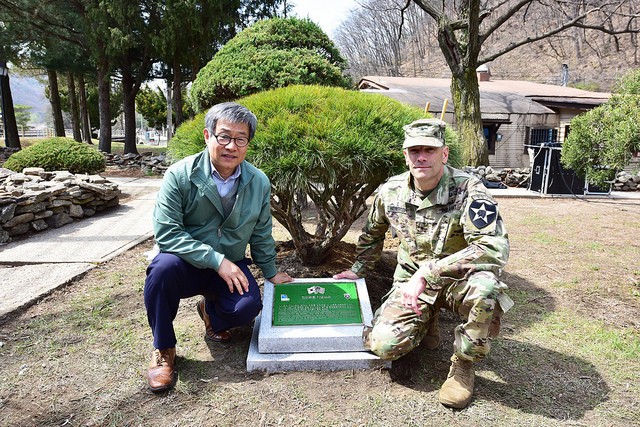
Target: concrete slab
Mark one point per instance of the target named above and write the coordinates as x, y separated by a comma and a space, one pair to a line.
524, 193
327, 361
312, 338
95, 239
33, 267
38, 280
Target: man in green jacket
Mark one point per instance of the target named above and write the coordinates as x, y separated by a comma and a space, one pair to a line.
210, 207
453, 247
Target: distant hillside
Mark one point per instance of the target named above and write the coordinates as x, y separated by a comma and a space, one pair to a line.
29, 91
369, 41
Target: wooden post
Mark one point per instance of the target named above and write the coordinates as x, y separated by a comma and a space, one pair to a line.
444, 109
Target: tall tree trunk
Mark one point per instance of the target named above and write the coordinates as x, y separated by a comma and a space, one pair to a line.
84, 111
56, 107
465, 92
461, 50
11, 136
177, 94
169, 112
104, 92
73, 100
129, 107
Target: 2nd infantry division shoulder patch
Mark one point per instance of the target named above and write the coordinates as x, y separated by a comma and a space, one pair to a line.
482, 213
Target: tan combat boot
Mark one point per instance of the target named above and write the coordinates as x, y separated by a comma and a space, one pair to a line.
432, 338
161, 374
457, 390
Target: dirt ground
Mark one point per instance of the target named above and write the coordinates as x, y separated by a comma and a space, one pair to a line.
567, 354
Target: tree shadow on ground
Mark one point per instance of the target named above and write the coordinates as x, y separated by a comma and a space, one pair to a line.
541, 381
521, 375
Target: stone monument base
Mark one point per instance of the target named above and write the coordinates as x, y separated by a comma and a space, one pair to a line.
311, 338
308, 347
326, 361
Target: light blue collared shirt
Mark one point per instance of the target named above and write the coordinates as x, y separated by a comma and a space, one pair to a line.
224, 186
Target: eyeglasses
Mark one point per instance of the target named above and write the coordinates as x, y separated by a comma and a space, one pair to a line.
226, 140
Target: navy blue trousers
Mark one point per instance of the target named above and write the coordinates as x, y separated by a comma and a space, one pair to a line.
170, 279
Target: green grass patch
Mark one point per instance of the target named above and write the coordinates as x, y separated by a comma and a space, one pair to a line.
538, 220
545, 238
530, 305
569, 333
118, 148
596, 246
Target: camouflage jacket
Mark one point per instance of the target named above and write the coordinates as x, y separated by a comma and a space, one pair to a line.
453, 232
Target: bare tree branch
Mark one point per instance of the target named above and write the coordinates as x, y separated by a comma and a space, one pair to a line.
575, 22
504, 18
402, 11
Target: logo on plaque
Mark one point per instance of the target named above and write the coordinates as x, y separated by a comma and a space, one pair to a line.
315, 290
334, 303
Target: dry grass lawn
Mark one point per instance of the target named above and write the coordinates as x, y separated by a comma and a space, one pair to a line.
568, 354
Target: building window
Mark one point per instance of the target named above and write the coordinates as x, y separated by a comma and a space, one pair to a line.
540, 136
490, 132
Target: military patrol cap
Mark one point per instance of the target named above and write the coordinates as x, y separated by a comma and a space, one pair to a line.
429, 132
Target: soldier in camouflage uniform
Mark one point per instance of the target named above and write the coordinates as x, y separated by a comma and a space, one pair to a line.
453, 247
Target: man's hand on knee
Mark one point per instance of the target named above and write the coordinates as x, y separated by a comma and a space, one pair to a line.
233, 276
411, 290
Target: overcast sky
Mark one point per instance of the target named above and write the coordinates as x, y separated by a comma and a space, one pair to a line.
326, 13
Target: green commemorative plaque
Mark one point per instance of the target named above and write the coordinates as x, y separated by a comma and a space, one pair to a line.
316, 303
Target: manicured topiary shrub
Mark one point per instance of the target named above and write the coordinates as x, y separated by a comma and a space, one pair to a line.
58, 154
188, 139
271, 53
333, 146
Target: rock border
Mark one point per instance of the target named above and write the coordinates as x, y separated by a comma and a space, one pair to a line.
34, 199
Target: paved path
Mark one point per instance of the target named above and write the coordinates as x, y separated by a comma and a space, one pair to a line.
524, 193
33, 267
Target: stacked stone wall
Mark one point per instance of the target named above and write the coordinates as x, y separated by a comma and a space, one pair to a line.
147, 162
507, 177
35, 199
626, 181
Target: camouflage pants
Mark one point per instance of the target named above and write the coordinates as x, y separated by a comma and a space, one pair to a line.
396, 329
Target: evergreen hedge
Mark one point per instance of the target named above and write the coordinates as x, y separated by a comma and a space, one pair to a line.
271, 53
332, 145
58, 154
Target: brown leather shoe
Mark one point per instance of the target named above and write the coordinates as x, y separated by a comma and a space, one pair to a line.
222, 336
161, 374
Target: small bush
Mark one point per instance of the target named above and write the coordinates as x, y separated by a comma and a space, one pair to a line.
58, 154
602, 140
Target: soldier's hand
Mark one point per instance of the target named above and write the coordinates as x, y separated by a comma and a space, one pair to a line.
347, 274
411, 290
233, 276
